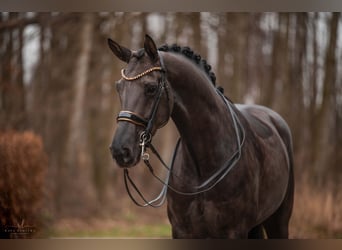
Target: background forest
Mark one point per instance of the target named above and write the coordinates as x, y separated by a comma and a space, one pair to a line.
57, 82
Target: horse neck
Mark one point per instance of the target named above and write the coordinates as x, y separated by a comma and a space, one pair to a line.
200, 115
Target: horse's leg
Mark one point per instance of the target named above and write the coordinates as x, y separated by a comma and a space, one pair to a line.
257, 232
277, 224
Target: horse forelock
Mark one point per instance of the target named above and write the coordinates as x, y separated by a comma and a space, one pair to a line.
139, 53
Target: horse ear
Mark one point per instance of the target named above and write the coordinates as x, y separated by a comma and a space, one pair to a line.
122, 53
151, 48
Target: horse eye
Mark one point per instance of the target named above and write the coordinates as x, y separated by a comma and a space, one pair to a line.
150, 89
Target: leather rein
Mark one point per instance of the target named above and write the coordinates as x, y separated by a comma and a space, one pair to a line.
146, 142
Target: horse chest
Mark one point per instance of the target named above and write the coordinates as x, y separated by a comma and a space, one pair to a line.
199, 218
203, 211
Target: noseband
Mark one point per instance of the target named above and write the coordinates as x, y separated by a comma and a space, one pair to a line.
132, 117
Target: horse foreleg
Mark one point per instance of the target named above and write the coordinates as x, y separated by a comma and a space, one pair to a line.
257, 232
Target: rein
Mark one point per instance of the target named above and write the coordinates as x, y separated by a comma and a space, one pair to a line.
146, 138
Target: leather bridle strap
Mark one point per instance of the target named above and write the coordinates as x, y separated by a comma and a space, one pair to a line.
160, 199
155, 106
132, 117
136, 119
161, 88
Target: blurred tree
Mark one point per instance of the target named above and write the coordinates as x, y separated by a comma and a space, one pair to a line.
324, 130
77, 150
12, 86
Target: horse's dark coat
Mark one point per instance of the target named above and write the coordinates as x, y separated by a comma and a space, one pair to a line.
256, 194
260, 127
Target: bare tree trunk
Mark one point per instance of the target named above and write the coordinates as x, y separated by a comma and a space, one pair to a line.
295, 96
279, 63
78, 155
21, 100
198, 44
325, 124
282, 67
12, 91
267, 91
223, 64
239, 56
313, 90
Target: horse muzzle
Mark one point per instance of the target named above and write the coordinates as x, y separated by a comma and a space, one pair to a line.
125, 148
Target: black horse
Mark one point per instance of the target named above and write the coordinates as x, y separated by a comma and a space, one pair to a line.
232, 172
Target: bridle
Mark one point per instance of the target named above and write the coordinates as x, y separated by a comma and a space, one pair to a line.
132, 117
146, 138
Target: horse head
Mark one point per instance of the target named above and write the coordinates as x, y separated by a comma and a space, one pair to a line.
146, 102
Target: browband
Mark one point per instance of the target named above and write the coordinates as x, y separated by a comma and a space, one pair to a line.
139, 75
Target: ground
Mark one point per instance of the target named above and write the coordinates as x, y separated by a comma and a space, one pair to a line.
316, 215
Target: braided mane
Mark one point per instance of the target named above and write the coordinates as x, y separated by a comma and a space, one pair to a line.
196, 58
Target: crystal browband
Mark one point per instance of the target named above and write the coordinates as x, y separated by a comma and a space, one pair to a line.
139, 75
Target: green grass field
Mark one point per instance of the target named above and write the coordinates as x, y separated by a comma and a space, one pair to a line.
123, 229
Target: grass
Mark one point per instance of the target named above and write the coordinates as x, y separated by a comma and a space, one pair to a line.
317, 213
128, 223
140, 231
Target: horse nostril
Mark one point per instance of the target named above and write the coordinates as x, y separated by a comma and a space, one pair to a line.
126, 153
123, 155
